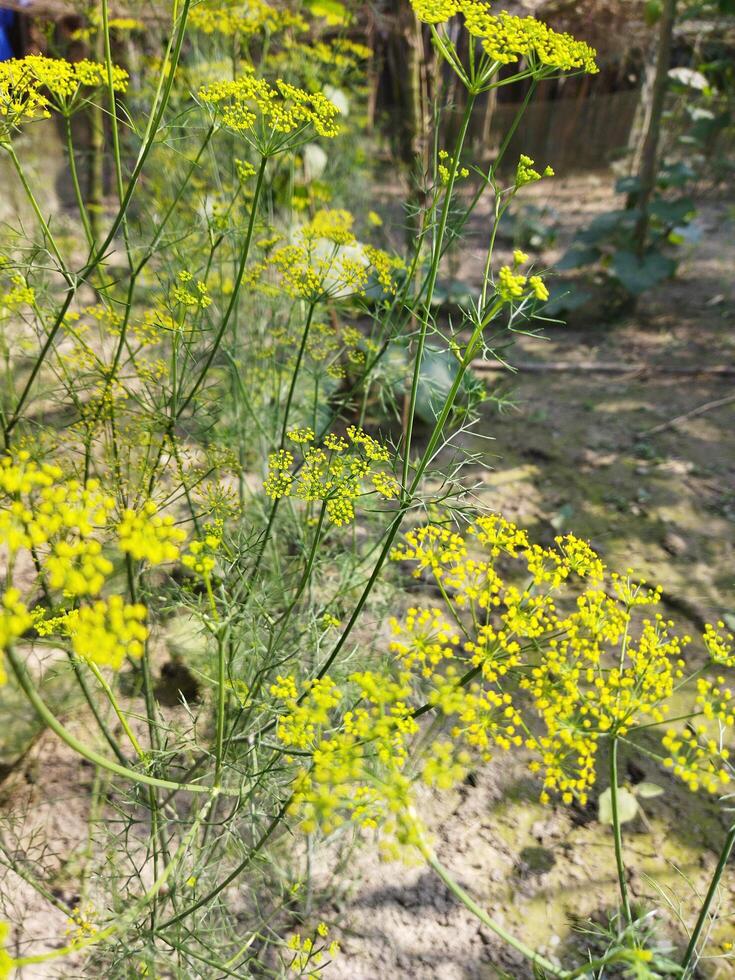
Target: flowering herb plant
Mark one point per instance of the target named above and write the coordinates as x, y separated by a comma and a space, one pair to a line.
194, 481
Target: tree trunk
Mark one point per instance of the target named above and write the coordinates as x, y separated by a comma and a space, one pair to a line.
649, 154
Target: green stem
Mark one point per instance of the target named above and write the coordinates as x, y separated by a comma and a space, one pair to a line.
37, 211
79, 197
471, 904
430, 286
617, 831
691, 954
101, 680
110, 738
295, 374
49, 719
235, 291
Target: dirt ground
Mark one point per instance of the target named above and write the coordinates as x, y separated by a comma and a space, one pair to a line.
575, 454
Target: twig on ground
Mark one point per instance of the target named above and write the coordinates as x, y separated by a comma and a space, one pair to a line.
700, 410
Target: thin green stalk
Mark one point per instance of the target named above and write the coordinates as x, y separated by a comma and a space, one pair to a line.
430, 286
691, 955
116, 156
92, 704
221, 686
235, 291
37, 211
295, 373
536, 958
49, 719
617, 831
79, 197
102, 681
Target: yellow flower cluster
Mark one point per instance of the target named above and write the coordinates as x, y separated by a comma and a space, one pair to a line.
333, 225
197, 297
327, 261
20, 295
513, 286
507, 670
308, 953
339, 53
108, 632
335, 473
201, 557
59, 519
146, 535
448, 168
719, 645
249, 101
78, 568
244, 19
104, 633
436, 11
431, 547
698, 760
424, 639
30, 86
506, 38
69, 526
7, 963
525, 174
357, 771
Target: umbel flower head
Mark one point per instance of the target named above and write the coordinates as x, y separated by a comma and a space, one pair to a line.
30, 86
327, 260
504, 39
69, 530
535, 648
244, 19
271, 118
337, 473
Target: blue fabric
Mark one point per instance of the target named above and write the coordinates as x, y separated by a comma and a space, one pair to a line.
7, 21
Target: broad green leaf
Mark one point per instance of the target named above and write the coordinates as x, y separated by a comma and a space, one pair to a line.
673, 212
627, 806
637, 274
607, 224
578, 255
628, 185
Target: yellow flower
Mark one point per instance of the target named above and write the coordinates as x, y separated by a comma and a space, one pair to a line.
251, 107
719, 645
30, 86
108, 632
146, 535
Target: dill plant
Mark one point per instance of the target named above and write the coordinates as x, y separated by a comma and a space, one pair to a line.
224, 319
